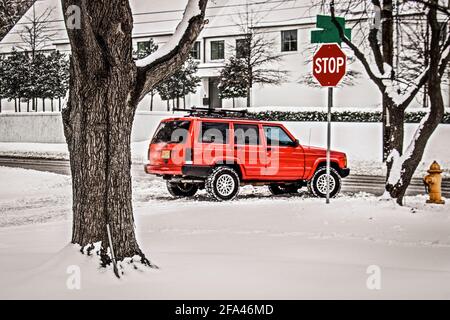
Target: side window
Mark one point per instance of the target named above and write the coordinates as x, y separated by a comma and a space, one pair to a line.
215, 132
246, 134
276, 136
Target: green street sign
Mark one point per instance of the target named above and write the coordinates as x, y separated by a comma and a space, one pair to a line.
329, 32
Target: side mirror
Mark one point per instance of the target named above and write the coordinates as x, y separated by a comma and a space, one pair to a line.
296, 143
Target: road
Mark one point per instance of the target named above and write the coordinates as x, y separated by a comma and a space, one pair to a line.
354, 183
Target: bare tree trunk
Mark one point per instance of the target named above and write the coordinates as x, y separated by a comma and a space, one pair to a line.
414, 153
15, 104
387, 36
43, 104
98, 127
106, 85
395, 131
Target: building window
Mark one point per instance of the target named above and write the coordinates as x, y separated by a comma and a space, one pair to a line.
289, 40
217, 50
143, 47
242, 48
195, 52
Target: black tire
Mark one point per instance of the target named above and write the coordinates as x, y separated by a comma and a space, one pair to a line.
223, 184
182, 190
317, 185
277, 189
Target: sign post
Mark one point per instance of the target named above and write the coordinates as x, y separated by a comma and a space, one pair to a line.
329, 67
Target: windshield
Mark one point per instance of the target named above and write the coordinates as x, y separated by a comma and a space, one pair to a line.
172, 132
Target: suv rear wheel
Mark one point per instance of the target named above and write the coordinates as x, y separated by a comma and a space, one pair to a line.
223, 184
318, 184
178, 189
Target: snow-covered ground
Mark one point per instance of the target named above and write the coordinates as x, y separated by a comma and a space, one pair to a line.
258, 247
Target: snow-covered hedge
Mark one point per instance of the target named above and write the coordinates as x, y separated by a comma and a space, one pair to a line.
337, 116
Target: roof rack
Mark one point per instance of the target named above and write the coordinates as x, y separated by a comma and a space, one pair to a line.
215, 113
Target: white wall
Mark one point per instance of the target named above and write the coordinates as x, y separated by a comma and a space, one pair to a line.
47, 127
31, 127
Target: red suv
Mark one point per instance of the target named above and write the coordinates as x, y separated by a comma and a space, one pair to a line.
220, 152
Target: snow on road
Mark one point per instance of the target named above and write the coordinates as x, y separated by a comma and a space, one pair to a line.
257, 247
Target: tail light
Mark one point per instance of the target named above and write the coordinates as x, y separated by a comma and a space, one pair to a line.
149, 155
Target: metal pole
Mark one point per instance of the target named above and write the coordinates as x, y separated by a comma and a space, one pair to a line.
330, 105
113, 256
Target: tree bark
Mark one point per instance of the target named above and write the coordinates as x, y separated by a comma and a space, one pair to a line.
97, 125
105, 88
395, 130
414, 153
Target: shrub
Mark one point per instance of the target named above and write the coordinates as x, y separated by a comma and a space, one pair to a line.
337, 116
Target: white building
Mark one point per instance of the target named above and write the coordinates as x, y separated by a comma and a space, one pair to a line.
278, 20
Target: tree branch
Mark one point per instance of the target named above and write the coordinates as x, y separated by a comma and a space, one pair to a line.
164, 62
361, 57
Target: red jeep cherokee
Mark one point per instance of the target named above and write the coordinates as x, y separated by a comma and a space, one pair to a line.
222, 153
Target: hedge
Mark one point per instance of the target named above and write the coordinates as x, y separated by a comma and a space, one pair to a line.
337, 116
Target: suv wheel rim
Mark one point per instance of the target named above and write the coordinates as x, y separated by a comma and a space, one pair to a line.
322, 184
225, 185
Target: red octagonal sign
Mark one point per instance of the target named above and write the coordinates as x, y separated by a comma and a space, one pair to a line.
329, 65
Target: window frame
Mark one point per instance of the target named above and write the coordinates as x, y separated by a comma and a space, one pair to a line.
289, 42
259, 142
156, 139
241, 47
291, 144
201, 132
196, 53
222, 51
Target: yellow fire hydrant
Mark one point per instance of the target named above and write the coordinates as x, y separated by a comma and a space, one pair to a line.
433, 181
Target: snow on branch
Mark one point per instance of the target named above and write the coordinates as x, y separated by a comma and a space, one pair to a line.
169, 58
397, 169
193, 9
402, 99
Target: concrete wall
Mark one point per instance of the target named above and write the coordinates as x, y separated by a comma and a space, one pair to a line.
47, 127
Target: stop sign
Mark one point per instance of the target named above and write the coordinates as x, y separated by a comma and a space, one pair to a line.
329, 65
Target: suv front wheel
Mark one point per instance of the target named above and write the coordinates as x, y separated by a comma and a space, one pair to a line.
318, 184
223, 184
180, 190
